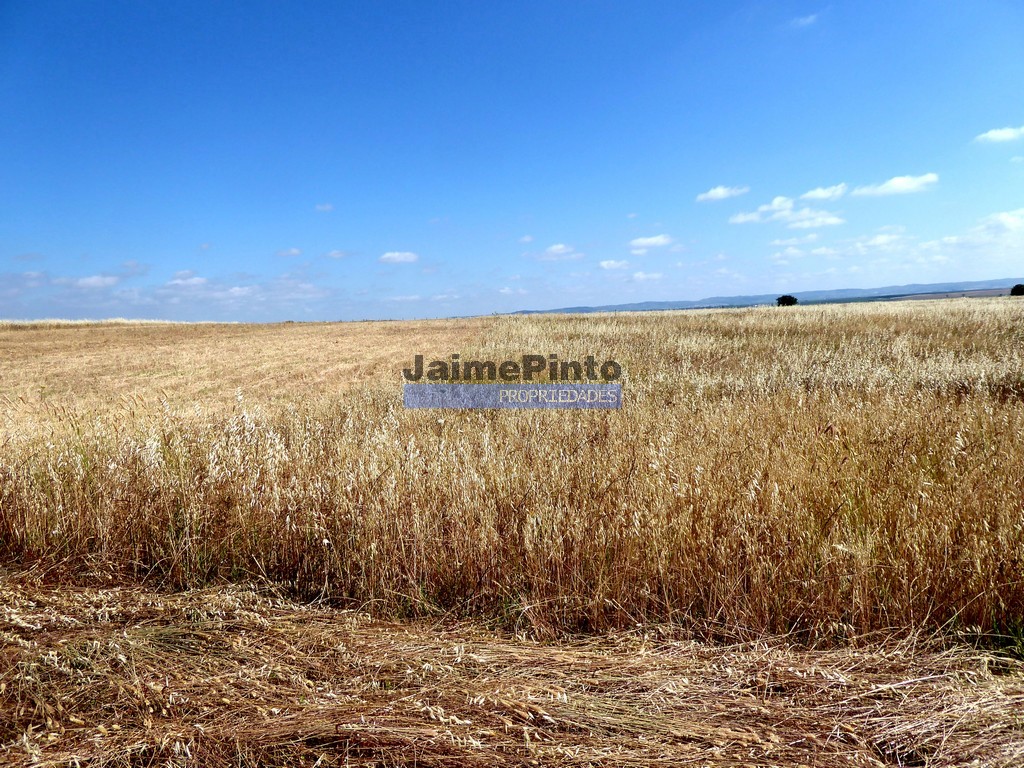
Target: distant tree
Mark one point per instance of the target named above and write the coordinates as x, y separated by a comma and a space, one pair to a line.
1017, 290
786, 300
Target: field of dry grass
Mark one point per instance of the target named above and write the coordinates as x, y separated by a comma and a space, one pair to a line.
824, 474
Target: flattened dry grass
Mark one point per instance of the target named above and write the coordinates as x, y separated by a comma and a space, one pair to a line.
228, 676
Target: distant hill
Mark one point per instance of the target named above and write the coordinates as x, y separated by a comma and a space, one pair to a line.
888, 292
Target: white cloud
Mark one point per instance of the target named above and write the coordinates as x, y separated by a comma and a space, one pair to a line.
784, 257
398, 257
289, 252
559, 252
825, 193
899, 185
186, 295
610, 264
444, 297
806, 218
891, 255
1017, 159
506, 291
1001, 134
413, 297
97, 281
796, 240
640, 245
732, 274
882, 241
868, 250
1007, 221
650, 242
526, 239
782, 209
186, 279
804, 21
324, 207
336, 254
721, 193
778, 205
645, 276
990, 248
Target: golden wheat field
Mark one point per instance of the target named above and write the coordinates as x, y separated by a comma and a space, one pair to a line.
799, 542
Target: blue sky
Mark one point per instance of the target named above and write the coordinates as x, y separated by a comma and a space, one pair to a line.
347, 160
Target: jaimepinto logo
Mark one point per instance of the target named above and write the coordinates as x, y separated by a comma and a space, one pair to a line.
532, 381
529, 366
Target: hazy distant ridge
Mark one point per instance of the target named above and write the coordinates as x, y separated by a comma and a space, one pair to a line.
805, 297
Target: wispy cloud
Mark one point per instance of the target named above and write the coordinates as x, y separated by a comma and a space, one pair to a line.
290, 252
612, 264
899, 185
640, 245
184, 295
804, 21
991, 247
809, 238
97, 281
782, 209
324, 207
413, 297
133, 268
825, 193
721, 193
559, 252
337, 254
506, 291
997, 135
526, 239
398, 257
808, 218
1005, 221
650, 242
642, 277
783, 258
186, 279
